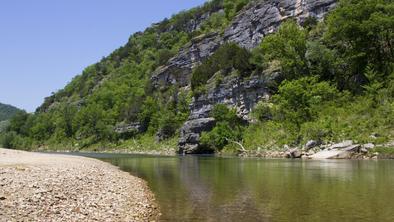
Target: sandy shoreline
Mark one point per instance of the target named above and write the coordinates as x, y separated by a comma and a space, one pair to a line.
51, 187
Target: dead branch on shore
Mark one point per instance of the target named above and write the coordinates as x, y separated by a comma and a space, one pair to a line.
241, 149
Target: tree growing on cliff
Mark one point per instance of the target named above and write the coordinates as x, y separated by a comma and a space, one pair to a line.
227, 58
288, 47
231, 7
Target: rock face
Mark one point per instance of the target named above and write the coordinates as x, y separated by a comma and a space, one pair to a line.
255, 21
128, 128
179, 68
264, 17
190, 135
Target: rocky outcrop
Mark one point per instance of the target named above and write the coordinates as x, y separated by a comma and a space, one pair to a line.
130, 128
190, 135
189, 22
179, 68
234, 92
195, 23
262, 18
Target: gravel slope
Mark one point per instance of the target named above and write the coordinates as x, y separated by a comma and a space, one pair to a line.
47, 187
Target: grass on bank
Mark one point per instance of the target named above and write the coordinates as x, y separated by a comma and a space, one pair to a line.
356, 120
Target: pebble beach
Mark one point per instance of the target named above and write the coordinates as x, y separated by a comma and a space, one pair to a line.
52, 187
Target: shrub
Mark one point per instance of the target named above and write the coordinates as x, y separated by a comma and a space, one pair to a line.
222, 113
228, 128
270, 135
219, 137
263, 111
6, 139
296, 100
231, 7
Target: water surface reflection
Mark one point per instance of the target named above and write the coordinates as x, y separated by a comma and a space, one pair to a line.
231, 189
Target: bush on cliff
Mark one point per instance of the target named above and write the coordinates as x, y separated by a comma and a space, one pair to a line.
288, 46
231, 7
227, 58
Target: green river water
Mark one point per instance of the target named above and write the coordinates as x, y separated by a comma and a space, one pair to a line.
198, 188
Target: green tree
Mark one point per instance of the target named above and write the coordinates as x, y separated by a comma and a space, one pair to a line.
43, 127
374, 85
363, 33
297, 99
288, 47
229, 127
148, 112
91, 121
17, 123
322, 62
231, 7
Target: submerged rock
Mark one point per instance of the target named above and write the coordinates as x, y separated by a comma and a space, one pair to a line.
295, 153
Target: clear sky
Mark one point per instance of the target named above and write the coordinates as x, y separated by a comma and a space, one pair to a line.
44, 43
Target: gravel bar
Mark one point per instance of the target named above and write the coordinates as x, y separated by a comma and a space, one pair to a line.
51, 187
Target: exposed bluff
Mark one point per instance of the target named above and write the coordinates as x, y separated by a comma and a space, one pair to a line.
262, 18
258, 19
249, 27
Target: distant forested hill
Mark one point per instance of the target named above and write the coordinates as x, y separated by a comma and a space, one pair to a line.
7, 111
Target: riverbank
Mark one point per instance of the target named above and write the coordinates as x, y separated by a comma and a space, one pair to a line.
306, 151
48, 187
166, 152
314, 150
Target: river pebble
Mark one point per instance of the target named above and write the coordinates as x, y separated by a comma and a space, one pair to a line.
46, 187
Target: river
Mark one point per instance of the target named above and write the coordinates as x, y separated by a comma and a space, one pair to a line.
202, 188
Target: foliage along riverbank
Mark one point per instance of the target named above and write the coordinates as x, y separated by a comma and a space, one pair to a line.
330, 80
356, 151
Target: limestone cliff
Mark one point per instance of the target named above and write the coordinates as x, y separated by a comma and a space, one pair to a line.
258, 19
247, 29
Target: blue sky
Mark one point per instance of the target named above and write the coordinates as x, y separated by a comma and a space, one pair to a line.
44, 43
